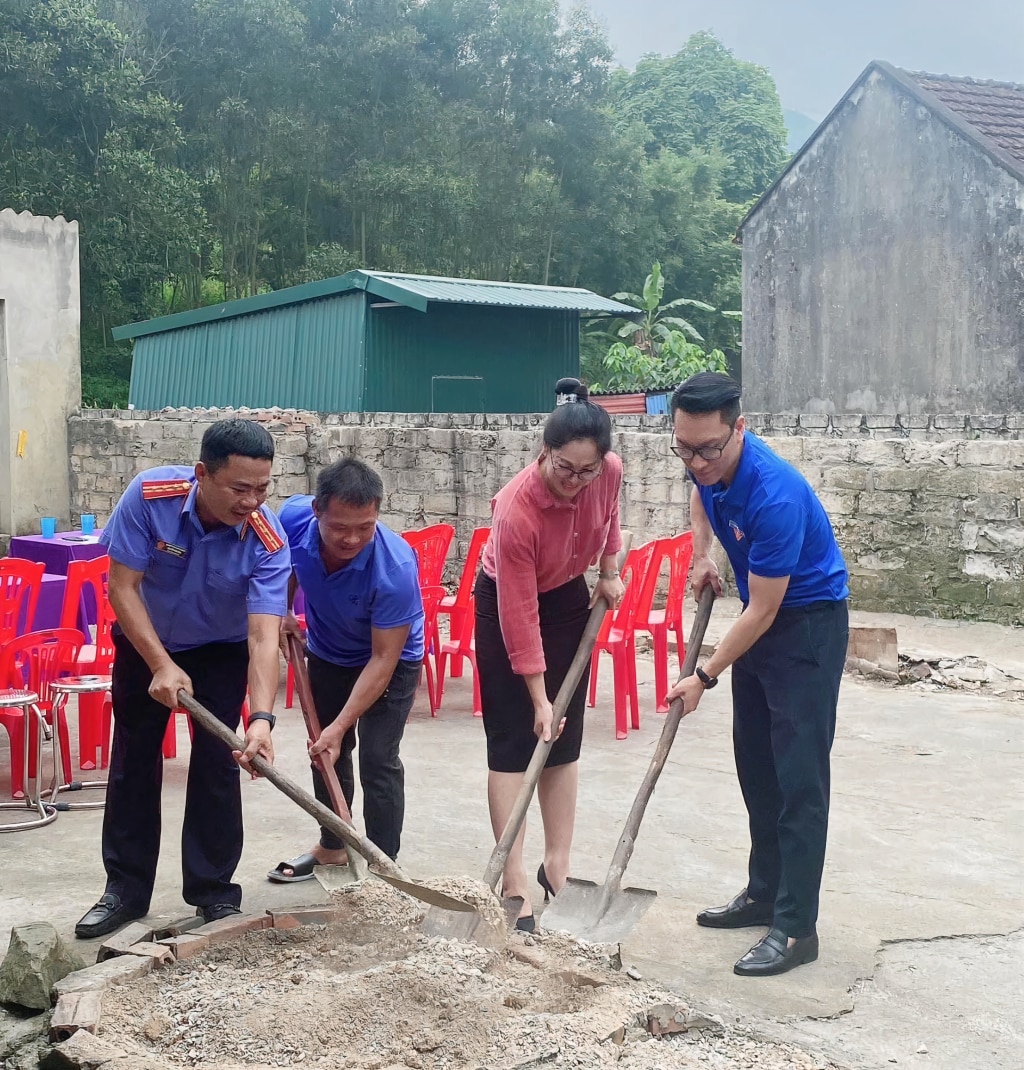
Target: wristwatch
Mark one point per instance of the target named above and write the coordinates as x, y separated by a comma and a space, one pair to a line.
708, 681
262, 716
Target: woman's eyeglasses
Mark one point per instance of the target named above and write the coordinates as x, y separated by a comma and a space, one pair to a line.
566, 471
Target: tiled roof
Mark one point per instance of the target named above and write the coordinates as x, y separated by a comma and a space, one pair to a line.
995, 109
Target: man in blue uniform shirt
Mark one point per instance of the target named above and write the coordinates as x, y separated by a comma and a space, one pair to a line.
787, 652
199, 581
364, 635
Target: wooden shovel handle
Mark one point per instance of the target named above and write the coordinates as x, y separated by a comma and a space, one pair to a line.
284, 783
627, 841
297, 657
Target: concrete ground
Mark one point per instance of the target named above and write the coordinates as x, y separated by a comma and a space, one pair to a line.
922, 945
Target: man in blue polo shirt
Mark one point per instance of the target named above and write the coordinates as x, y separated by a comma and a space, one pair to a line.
199, 582
364, 638
787, 652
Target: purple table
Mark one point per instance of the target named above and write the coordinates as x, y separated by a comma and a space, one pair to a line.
49, 606
57, 552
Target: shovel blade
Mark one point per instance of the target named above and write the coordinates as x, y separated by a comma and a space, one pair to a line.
430, 896
331, 878
467, 927
577, 910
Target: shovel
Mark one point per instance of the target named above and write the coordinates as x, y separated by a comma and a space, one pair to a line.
463, 927
604, 914
330, 877
380, 865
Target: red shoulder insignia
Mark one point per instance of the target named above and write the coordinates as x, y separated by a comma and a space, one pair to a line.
265, 532
165, 488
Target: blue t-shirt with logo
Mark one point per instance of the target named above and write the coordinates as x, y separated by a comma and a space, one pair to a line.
378, 588
771, 523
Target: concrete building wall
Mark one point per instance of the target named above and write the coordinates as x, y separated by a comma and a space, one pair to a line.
40, 374
886, 271
927, 510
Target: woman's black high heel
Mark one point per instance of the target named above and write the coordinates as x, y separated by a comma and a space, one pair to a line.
542, 880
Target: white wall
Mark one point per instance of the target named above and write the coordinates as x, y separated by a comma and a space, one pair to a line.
40, 370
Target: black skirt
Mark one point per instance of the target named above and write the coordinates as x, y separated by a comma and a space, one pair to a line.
507, 706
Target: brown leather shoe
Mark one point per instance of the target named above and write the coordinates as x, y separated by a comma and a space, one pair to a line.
738, 913
772, 954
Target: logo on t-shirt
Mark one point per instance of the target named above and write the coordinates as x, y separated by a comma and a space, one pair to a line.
736, 530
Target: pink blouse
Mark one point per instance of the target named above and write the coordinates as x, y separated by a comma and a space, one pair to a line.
539, 542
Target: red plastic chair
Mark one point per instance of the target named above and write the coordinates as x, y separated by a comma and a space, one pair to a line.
33, 661
431, 545
289, 686
170, 744
459, 604
678, 551
20, 583
617, 638
462, 645
432, 597
97, 657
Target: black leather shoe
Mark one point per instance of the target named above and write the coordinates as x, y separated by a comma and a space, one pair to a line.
772, 955
106, 916
738, 913
217, 911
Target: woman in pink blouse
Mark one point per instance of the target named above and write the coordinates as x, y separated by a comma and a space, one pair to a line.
550, 523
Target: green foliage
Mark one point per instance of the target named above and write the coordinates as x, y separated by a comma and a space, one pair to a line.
632, 368
214, 149
666, 348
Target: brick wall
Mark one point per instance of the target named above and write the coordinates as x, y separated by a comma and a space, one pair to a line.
927, 509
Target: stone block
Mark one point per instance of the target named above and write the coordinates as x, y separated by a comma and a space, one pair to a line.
74, 1011
877, 452
896, 479
992, 507
789, 449
82, 1051
186, 945
161, 954
37, 959
876, 646
103, 975
888, 503
232, 927
845, 477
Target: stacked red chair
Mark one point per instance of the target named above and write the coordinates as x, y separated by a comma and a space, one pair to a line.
617, 637
658, 622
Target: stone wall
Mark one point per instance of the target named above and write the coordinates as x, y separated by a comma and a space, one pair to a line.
927, 510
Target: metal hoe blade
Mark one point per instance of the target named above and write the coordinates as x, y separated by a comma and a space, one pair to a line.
606, 913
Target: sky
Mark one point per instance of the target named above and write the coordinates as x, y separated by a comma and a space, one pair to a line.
816, 48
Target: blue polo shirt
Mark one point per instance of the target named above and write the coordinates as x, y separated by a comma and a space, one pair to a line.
199, 587
379, 588
771, 523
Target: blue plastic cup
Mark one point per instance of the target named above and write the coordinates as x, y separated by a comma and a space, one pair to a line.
48, 526
88, 523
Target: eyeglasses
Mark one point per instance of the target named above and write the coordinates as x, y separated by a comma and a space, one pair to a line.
566, 471
705, 453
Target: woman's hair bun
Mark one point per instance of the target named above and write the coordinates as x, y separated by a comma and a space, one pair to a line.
569, 390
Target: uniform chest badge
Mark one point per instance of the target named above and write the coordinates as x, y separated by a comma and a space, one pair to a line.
170, 548
736, 530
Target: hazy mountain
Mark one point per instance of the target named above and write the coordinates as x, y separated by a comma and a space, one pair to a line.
799, 127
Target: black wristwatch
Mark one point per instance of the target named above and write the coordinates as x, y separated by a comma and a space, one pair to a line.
708, 681
262, 716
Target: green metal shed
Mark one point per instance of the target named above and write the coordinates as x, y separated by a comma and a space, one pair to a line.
368, 341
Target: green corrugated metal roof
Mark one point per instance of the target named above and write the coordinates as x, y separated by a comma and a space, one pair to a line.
414, 291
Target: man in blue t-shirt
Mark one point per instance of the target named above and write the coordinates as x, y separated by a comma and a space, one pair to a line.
364, 637
787, 652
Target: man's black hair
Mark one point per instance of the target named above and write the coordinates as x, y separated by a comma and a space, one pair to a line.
709, 392
351, 482
235, 438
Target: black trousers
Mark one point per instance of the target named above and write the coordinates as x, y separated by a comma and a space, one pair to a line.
380, 730
785, 690
211, 835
